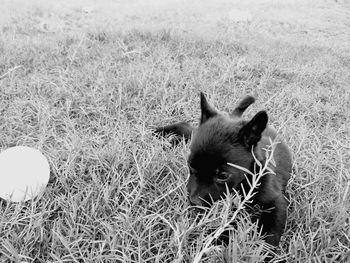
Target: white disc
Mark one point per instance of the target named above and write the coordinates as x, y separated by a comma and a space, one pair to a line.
24, 172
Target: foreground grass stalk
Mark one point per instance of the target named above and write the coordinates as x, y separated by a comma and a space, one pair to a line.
256, 177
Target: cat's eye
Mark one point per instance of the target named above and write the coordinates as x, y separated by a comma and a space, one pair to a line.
222, 177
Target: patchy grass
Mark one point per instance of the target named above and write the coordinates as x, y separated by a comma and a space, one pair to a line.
116, 193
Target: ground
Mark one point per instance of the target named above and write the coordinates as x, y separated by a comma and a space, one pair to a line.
86, 82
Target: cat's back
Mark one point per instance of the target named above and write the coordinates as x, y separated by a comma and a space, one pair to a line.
282, 155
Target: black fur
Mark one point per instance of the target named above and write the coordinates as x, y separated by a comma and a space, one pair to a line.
180, 130
223, 138
242, 106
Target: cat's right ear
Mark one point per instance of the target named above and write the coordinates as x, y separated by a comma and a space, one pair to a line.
207, 111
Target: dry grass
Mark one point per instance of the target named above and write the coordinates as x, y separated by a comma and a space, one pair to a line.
116, 193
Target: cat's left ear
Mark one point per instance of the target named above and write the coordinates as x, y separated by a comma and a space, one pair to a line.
251, 132
207, 110
242, 106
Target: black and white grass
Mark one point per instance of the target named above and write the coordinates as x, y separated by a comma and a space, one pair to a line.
118, 194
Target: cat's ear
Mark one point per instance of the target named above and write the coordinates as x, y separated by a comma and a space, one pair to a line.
207, 111
242, 106
251, 132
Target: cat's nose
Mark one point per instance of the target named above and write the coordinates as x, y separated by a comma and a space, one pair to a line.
195, 200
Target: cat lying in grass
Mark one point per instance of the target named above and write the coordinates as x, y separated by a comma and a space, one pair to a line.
224, 139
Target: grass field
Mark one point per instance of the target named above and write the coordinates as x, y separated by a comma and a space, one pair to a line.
89, 101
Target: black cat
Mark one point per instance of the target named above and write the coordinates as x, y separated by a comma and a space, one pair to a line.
223, 138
